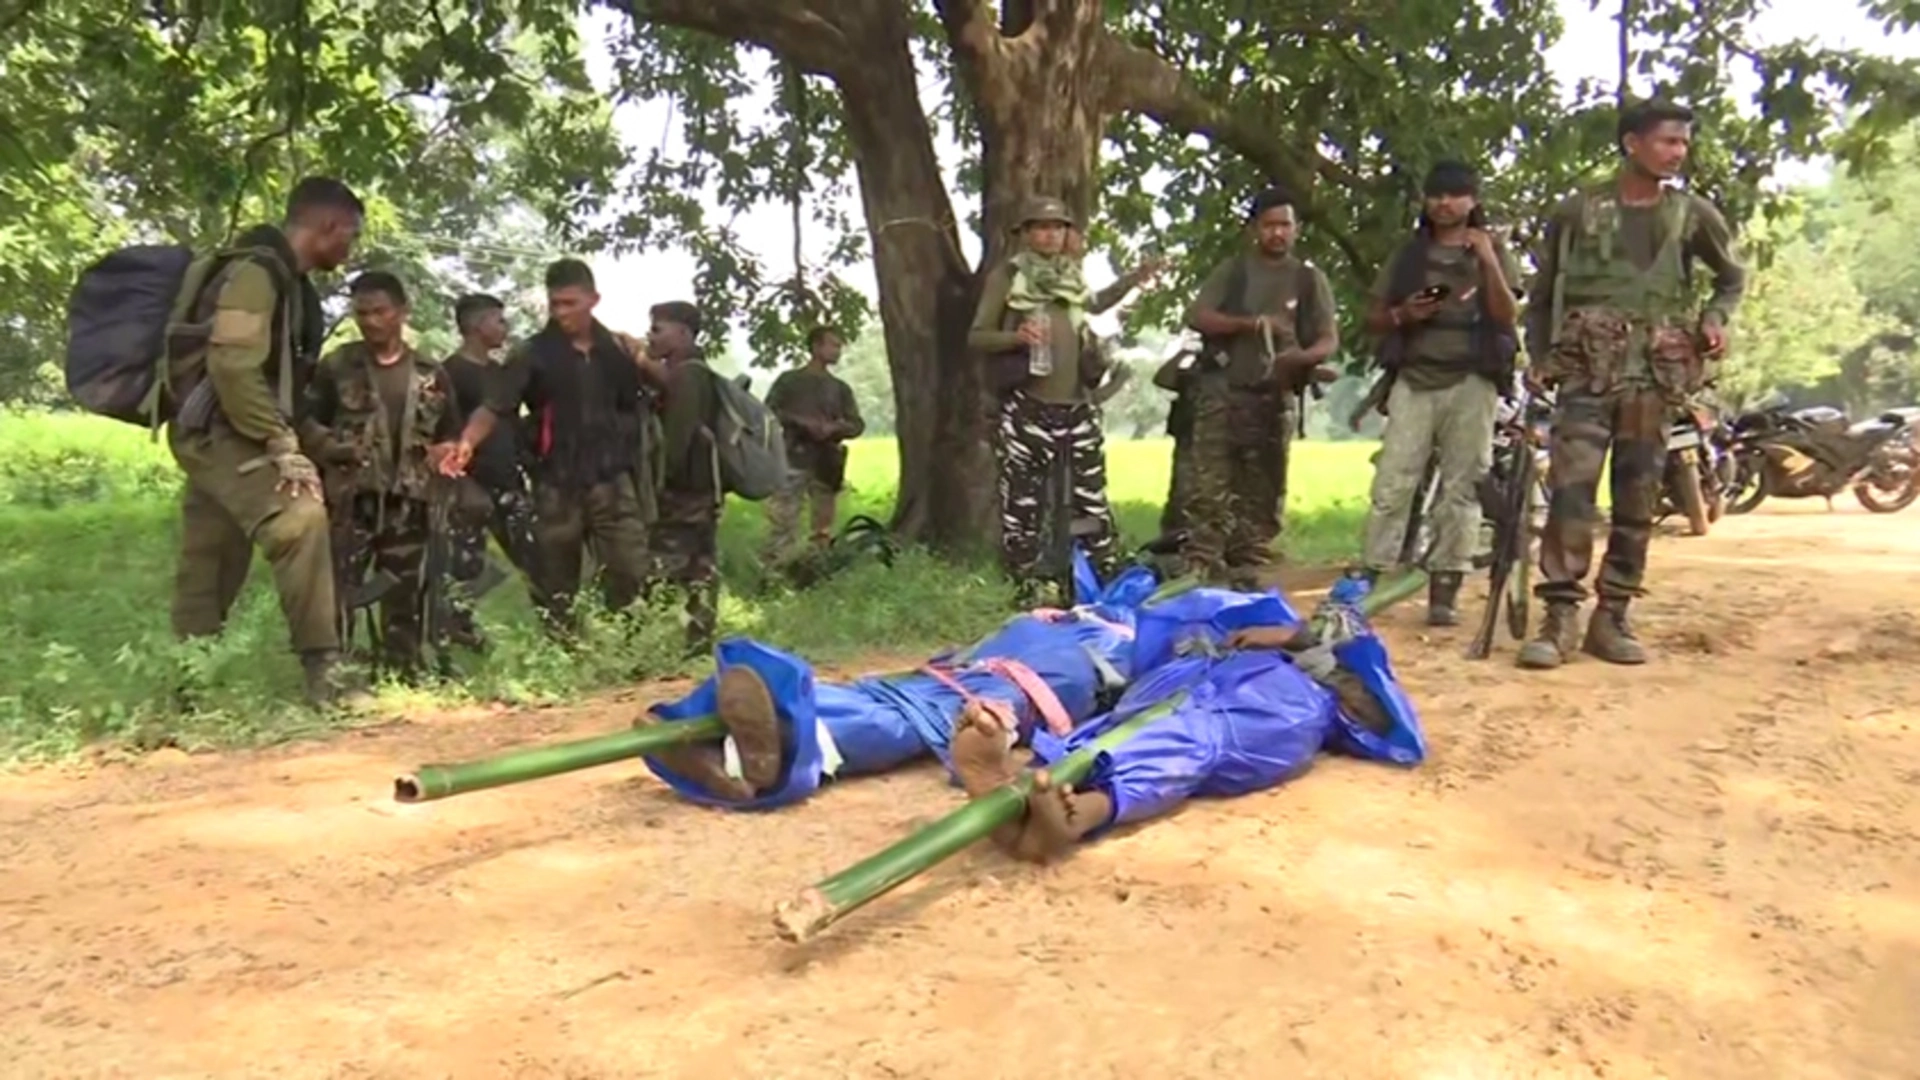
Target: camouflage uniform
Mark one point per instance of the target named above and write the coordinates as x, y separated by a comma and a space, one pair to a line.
683, 545
232, 433
1244, 415
1613, 328
374, 425
1046, 414
817, 468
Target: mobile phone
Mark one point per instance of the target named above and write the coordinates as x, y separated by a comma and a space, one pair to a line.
1434, 292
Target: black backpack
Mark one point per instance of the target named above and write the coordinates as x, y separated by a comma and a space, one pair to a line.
129, 314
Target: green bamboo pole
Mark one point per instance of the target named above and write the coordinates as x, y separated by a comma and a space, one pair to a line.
430, 782
826, 903
819, 906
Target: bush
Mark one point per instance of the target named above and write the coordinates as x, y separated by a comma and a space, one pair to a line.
89, 531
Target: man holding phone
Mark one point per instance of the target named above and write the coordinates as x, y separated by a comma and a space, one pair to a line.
1444, 310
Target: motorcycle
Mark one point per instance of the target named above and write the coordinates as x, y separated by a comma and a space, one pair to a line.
1814, 452
1692, 485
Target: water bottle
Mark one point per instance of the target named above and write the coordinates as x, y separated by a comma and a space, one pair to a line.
1040, 357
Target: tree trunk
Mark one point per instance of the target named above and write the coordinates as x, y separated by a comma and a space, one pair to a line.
1041, 119
927, 295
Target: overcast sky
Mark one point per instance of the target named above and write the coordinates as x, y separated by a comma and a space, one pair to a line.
1587, 50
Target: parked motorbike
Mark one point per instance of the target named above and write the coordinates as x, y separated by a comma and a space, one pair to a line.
1692, 485
1815, 453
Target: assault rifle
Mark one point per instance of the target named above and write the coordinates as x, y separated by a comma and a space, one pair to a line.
1514, 482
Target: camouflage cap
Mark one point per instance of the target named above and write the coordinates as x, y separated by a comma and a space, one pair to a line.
1044, 208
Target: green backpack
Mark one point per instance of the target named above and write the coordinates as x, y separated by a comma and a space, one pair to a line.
750, 452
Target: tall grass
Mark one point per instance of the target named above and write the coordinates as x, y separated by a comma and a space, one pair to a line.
89, 529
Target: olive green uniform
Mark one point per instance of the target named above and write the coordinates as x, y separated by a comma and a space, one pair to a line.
372, 425
816, 467
683, 545
236, 397
1244, 414
1612, 326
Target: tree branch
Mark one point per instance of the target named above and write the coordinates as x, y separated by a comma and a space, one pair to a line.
805, 32
1141, 81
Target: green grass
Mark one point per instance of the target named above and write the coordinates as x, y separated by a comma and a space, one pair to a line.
88, 531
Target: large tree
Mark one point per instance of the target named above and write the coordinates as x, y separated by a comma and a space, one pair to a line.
1153, 118
1160, 118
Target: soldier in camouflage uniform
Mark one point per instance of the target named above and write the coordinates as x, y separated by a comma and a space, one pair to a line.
1613, 327
1267, 323
1044, 362
817, 414
683, 547
378, 408
234, 434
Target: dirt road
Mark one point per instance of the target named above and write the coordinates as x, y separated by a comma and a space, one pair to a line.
1706, 868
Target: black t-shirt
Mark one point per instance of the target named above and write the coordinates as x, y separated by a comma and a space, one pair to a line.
583, 409
496, 462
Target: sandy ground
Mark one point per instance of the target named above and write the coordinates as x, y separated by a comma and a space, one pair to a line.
1704, 868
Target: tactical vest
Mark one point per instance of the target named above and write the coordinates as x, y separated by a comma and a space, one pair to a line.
1595, 270
361, 422
1246, 356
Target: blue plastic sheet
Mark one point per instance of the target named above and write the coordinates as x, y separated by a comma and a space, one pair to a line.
878, 724
1245, 723
790, 680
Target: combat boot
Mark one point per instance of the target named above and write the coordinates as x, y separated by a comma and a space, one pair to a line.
1559, 632
1610, 636
330, 683
1443, 596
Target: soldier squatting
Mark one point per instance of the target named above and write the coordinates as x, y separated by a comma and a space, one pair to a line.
374, 476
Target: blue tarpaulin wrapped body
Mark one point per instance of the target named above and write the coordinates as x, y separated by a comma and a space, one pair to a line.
875, 724
1249, 721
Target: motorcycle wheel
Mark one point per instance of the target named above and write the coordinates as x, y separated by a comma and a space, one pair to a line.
1716, 497
1687, 494
1898, 499
1750, 487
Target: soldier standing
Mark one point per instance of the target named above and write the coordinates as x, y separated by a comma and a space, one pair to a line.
1613, 327
1445, 310
818, 414
587, 399
378, 406
247, 483
684, 544
1032, 321
1267, 323
493, 497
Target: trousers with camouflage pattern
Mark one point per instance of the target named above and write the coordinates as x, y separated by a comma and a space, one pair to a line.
1041, 442
380, 553
682, 552
1619, 383
1241, 442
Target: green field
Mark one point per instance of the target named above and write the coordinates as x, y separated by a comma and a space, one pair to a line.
87, 539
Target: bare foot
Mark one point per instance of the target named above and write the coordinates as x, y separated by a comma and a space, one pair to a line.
984, 761
702, 763
1057, 818
746, 709
982, 756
